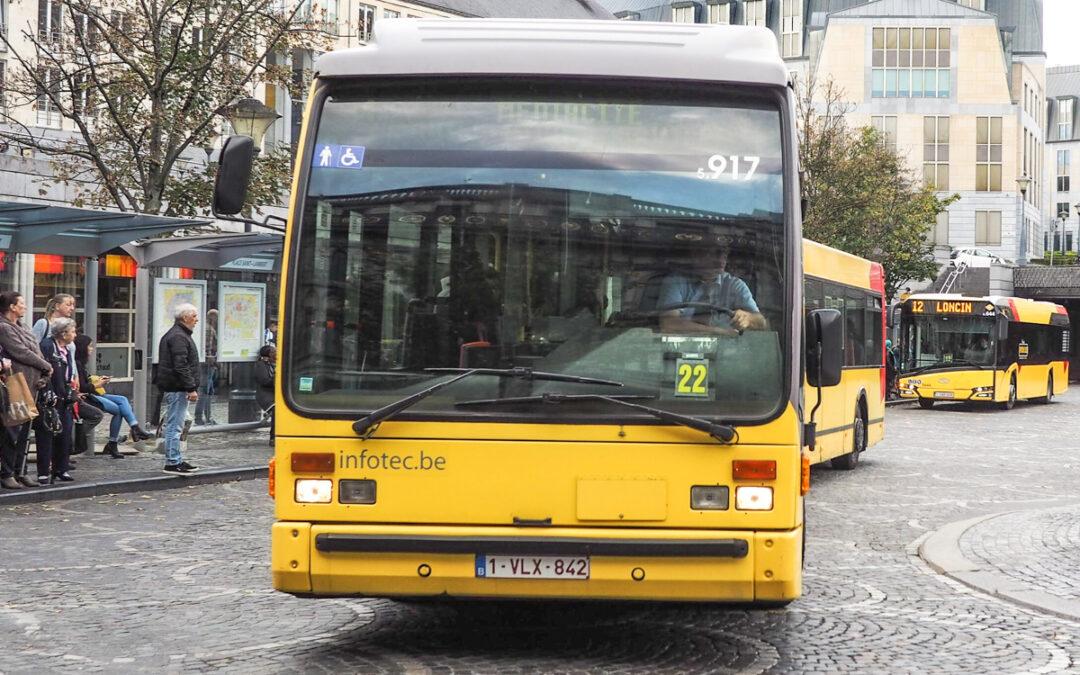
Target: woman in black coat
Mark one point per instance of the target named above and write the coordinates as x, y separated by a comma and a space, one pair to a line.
54, 448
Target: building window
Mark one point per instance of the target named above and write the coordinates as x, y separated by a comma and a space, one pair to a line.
988, 228
365, 23
886, 126
974, 4
1063, 171
683, 14
48, 96
791, 28
1062, 207
331, 17
755, 12
628, 16
391, 14
936, 152
988, 154
49, 20
1065, 119
941, 229
720, 13
911, 63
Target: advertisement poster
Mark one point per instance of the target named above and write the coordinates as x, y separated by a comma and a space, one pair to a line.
241, 320
168, 293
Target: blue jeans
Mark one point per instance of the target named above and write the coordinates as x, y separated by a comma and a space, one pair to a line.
176, 407
120, 409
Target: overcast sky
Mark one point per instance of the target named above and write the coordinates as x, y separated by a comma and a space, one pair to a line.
1061, 36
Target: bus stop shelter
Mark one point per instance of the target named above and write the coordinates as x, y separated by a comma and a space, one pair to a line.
70, 231
235, 251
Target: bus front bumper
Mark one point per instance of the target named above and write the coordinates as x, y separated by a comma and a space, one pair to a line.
648, 564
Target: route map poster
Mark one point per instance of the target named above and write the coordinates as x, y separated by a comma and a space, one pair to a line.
241, 320
168, 293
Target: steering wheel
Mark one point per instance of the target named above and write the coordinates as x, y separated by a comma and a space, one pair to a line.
704, 306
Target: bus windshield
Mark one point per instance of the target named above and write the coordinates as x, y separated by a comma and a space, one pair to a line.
634, 235
943, 340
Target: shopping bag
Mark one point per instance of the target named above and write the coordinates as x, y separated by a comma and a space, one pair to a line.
20, 407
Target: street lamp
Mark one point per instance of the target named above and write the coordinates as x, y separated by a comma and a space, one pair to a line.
1077, 207
1022, 183
250, 117
1063, 217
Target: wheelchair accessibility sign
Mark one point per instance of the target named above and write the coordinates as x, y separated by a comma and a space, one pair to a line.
329, 156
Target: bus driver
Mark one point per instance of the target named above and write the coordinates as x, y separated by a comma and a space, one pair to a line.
707, 281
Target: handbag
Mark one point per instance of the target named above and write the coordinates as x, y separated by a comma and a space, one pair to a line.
20, 406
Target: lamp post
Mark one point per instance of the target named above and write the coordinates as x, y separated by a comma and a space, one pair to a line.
1063, 216
1077, 207
1022, 183
250, 117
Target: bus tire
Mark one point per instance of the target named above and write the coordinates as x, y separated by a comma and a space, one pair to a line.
926, 403
1011, 401
1049, 398
858, 444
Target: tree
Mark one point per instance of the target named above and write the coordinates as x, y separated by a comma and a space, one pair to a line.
861, 198
143, 83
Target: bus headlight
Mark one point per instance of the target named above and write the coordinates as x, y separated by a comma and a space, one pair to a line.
749, 498
314, 490
356, 491
979, 390
709, 497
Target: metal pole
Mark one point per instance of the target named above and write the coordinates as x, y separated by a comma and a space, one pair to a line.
90, 298
143, 351
1020, 224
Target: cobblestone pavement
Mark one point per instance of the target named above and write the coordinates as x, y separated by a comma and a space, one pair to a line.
177, 581
1032, 550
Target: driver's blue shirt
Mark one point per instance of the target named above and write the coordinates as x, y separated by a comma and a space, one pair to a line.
726, 290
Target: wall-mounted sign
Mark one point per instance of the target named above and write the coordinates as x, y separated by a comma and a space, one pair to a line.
241, 320
168, 294
250, 264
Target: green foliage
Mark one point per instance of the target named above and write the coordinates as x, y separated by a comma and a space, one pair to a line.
1060, 258
143, 85
860, 196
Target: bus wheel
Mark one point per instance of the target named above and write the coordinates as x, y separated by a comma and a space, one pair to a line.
1008, 405
926, 403
1049, 398
851, 460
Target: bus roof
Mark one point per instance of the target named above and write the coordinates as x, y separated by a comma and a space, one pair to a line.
826, 262
1020, 309
631, 49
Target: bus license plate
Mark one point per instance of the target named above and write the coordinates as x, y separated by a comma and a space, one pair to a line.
943, 394
532, 567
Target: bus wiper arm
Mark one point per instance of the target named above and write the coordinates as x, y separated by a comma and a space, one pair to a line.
721, 432
366, 425
528, 374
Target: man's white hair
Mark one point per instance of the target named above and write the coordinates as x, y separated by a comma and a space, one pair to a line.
183, 309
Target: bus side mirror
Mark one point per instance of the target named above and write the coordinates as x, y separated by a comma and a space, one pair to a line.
824, 347
234, 174
894, 316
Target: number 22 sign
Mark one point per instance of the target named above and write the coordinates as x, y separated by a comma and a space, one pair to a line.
692, 378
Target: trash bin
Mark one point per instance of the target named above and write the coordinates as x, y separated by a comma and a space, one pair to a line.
242, 406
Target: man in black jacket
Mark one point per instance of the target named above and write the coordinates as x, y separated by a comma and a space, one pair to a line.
178, 379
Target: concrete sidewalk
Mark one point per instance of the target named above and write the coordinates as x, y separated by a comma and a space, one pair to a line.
221, 457
1031, 558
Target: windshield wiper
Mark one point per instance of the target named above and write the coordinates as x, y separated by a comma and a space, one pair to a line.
365, 426
939, 364
720, 432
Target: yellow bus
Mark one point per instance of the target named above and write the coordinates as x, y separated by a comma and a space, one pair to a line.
852, 414
543, 332
992, 350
